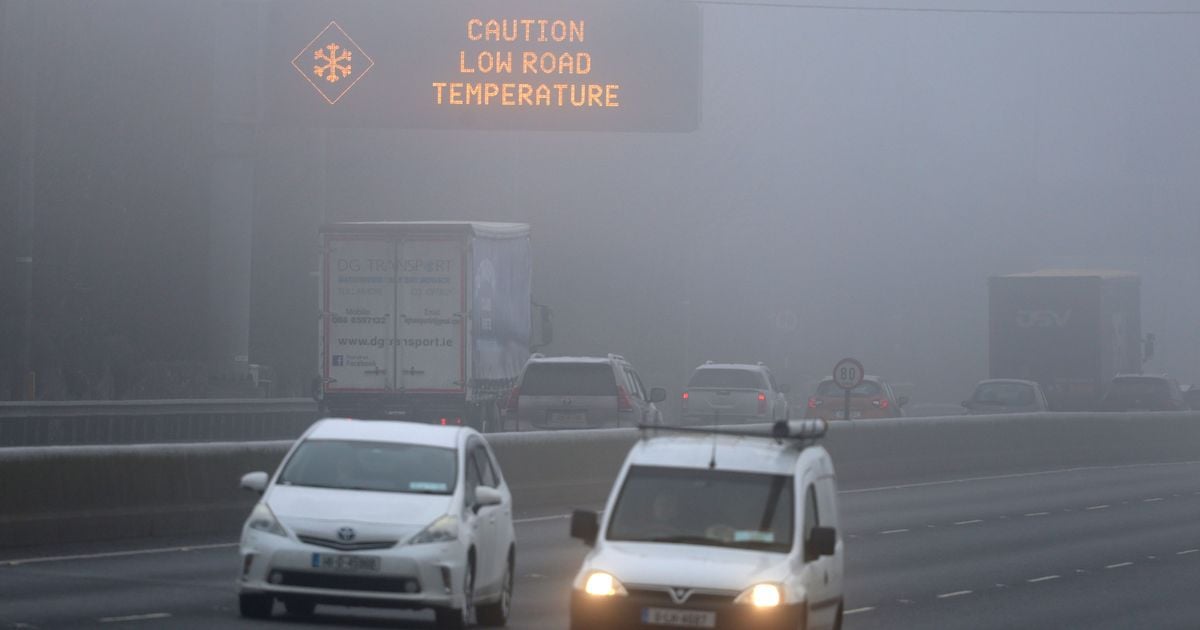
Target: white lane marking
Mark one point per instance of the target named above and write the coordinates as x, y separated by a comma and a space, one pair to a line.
1152, 500
1057, 471
954, 594
537, 519
855, 611
1097, 507
1044, 578
1186, 552
1038, 514
892, 531
144, 617
970, 522
115, 554
1118, 565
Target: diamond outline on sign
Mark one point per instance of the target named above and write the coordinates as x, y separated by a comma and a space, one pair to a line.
307, 49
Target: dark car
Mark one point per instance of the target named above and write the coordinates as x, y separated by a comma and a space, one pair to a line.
1143, 393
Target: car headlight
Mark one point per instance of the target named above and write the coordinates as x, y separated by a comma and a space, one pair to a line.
444, 529
761, 596
601, 584
263, 519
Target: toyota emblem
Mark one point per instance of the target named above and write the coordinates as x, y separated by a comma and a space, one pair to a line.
346, 534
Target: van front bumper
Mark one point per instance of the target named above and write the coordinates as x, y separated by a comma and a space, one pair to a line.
607, 613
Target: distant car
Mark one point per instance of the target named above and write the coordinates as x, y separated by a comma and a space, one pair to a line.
1005, 395
873, 398
1137, 392
1192, 397
733, 392
386, 514
715, 529
581, 393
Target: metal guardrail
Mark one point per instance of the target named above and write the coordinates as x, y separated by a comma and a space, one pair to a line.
76, 423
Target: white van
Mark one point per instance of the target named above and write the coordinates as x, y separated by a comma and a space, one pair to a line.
715, 528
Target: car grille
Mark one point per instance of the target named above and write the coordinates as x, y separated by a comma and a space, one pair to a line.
338, 582
363, 545
655, 596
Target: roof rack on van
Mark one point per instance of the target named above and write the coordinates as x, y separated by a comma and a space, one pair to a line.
803, 432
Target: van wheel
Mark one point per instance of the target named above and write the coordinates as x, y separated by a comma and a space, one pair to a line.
255, 606
495, 615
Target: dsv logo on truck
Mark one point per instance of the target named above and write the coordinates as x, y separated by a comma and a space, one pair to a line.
1043, 318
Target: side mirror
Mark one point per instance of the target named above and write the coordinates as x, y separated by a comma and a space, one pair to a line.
785, 389
903, 400
657, 394
256, 481
486, 495
585, 525
822, 542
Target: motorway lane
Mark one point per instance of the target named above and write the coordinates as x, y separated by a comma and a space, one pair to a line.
1044, 550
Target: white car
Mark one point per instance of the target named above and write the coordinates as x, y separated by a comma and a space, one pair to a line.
390, 514
715, 528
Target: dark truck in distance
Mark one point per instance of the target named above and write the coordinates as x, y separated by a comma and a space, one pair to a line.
1071, 331
425, 321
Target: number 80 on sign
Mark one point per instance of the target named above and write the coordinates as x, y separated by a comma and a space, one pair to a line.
848, 374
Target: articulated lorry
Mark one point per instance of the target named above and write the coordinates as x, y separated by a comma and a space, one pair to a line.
1071, 331
425, 321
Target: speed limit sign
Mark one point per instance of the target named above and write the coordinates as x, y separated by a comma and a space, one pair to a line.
848, 374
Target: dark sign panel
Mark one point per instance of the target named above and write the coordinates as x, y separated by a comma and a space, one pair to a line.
609, 65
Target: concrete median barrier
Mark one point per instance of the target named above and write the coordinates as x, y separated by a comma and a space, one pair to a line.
73, 494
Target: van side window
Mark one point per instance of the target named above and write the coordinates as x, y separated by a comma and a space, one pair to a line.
811, 519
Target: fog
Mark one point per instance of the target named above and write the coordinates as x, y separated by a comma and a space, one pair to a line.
855, 179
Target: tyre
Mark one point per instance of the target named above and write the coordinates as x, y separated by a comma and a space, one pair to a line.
300, 607
255, 606
459, 618
495, 615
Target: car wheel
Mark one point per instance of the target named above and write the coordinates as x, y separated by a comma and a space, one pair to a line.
255, 606
300, 607
496, 615
459, 618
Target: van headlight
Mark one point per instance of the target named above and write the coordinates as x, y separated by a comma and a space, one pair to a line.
761, 596
263, 519
444, 529
601, 584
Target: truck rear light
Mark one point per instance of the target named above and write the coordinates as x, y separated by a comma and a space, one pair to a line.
514, 400
623, 402
814, 402
762, 403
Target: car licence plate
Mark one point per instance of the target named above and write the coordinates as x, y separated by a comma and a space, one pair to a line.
575, 418
350, 564
679, 618
841, 415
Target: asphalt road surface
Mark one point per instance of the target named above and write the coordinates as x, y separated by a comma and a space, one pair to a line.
1115, 547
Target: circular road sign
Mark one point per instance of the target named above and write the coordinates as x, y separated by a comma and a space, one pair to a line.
848, 374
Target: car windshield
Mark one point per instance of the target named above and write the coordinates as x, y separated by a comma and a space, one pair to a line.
375, 466
727, 378
866, 388
704, 507
1004, 394
568, 379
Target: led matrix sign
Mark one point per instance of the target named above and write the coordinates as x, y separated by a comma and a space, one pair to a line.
603, 65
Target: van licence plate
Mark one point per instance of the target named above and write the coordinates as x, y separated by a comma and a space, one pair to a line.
350, 564
679, 618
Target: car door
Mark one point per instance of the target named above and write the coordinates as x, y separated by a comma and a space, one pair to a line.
475, 520
489, 552
779, 406
639, 396
820, 581
503, 531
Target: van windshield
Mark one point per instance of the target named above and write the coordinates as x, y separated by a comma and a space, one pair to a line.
715, 508
568, 379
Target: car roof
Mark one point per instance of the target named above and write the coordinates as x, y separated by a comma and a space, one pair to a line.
746, 454
867, 377
386, 431
1134, 377
1017, 381
1074, 273
732, 366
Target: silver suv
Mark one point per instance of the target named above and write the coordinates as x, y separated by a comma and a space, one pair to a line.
734, 392
581, 393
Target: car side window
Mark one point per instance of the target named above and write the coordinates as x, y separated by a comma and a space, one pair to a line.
811, 517
771, 381
487, 476
471, 479
636, 383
